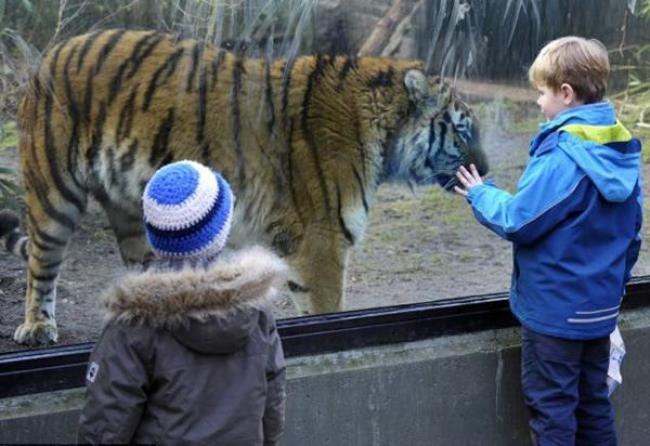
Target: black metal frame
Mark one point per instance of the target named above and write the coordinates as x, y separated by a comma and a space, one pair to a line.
56, 368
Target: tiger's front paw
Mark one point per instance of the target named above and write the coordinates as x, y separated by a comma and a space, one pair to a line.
36, 333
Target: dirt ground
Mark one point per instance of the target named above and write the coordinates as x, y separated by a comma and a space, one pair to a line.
419, 246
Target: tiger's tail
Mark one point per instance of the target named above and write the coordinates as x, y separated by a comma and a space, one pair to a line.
15, 241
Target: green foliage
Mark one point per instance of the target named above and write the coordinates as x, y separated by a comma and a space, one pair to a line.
644, 9
11, 194
16, 57
8, 135
45, 22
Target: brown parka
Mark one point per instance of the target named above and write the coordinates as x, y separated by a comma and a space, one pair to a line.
189, 357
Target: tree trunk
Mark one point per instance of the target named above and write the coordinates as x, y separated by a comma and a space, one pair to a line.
382, 33
397, 39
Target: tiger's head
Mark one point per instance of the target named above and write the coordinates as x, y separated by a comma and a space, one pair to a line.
439, 134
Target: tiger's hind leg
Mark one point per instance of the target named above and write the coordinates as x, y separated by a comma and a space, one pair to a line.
15, 242
51, 221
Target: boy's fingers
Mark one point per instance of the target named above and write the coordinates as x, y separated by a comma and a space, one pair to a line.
462, 179
464, 172
474, 170
469, 176
460, 191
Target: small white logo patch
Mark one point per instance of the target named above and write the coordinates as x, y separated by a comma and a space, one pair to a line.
92, 372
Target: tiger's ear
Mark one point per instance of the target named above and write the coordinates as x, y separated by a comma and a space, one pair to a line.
416, 85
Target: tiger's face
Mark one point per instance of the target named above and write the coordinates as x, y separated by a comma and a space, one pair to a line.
439, 135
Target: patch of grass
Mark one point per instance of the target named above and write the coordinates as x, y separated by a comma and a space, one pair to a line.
8, 135
450, 210
435, 260
11, 194
403, 208
442, 200
426, 215
466, 257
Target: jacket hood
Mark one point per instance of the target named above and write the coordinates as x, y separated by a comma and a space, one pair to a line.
210, 311
600, 145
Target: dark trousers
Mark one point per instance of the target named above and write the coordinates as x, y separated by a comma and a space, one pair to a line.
565, 389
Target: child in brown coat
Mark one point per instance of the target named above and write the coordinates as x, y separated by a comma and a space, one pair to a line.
190, 354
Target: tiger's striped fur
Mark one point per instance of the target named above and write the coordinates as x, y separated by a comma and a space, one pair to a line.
304, 143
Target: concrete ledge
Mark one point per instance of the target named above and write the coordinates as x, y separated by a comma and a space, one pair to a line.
457, 390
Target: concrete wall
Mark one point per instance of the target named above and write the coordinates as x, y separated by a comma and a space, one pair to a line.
460, 390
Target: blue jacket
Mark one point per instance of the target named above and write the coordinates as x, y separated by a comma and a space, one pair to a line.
574, 221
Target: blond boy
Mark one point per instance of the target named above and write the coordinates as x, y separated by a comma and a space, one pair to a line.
574, 221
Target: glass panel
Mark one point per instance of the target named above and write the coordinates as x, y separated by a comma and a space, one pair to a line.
313, 133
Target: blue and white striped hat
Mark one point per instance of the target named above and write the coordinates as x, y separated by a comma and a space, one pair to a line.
187, 211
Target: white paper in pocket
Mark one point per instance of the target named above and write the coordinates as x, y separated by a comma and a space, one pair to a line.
616, 355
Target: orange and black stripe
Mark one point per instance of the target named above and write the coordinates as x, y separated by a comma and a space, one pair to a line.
160, 149
161, 75
141, 50
313, 77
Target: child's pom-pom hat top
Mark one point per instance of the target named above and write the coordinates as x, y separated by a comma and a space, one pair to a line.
187, 211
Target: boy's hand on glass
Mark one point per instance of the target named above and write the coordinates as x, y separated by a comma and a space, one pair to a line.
468, 179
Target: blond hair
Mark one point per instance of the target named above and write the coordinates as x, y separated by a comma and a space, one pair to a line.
579, 62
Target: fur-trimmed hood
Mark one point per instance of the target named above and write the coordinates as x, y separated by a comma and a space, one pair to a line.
212, 310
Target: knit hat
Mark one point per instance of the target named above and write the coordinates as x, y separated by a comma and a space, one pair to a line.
187, 211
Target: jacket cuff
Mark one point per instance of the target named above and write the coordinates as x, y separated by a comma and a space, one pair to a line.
474, 192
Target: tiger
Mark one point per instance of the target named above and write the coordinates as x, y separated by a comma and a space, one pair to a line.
304, 141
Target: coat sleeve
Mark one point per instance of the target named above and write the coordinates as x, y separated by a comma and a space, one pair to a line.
116, 393
273, 421
546, 195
